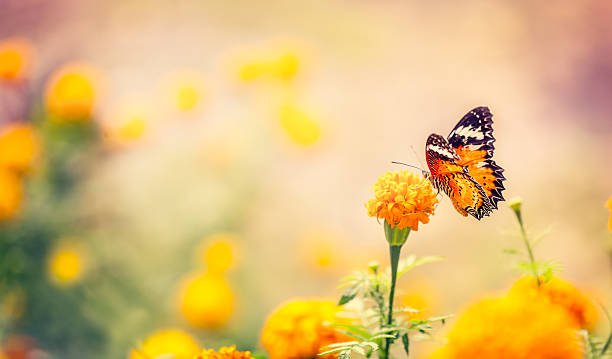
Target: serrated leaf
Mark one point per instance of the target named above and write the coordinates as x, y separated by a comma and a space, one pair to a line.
345, 355
413, 263
406, 344
359, 350
348, 295
332, 351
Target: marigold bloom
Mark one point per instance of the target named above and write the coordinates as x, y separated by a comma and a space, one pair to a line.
218, 252
15, 57
512, 327
560, 293
11, 193
206, 301
19, 146
170, 341
66, 263
299, 126
223, 353
403, 199
609, 204
296, 330
283, 67
71, 93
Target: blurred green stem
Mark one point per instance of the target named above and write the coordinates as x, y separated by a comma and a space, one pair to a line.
394, 251
532, 261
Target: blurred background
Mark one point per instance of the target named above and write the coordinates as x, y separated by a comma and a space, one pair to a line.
182, 167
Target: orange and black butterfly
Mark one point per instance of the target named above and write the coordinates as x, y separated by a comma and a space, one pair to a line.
462, 165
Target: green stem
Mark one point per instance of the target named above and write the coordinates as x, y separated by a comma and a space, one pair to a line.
394, 251
529, 249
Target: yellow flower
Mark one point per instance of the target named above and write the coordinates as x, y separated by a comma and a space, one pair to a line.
15, 57
609, 205
66, 263
284, 67
185, 89
524, 325
296, 330
319, 249
560, 293
170, 341
11, 193
19, 146
206, 301
223, 353
71, 93
403, 199
299, 126
421, 296
218, 252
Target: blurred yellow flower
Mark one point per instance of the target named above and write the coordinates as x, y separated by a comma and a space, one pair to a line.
206, 300
71, 92
218, 252
319, 249
128, 120
299, 126
185, 88
170, 341
609, 204
560, 293
66, 263
297, 330
421, 296
403, 199
15, 58
223, 353
19, 146
512, 328
11, 193
284, 67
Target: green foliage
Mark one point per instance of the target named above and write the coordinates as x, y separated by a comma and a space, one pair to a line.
596, 348
368, 291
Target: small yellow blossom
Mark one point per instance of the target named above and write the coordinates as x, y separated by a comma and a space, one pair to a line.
15, 58
11, 193
218, 252
297, 330
403, 199
206, 300
66, 263
223, 353
560, 293
169, 341
421, 296
301, 128
185, 89
71, 92
19, 146
284, 67
609, 205
319, 249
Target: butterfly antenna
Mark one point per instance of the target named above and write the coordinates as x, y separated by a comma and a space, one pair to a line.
416, 156
405, 164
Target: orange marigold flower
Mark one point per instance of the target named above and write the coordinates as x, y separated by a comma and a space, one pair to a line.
71, 92
609, 205
560, 293
15, 57
513, 327
403, 199
297, 330
19, 146
223, 353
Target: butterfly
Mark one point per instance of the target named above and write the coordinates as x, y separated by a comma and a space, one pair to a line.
462, 165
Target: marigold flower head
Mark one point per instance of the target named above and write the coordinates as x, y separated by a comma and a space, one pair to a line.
71, 92
609, 205
296, 330
206, 300
169, 341
512, 327
19, 146
15, 58
300, 126
223, 353
218, 252
559, 293
66, 263
11, 193
403, 199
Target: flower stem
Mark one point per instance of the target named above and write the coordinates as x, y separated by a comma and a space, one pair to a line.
528, 245
394, 251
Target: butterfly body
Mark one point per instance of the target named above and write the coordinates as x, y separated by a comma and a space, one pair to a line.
462, 166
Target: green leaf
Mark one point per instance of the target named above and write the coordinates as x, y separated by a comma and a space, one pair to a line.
411, 262
348, 295
406, 344
333, 351
345, 355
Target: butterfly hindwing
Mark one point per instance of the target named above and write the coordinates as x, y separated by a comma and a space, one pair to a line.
473, 142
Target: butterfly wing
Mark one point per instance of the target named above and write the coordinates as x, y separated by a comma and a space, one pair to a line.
472, 140
447, 175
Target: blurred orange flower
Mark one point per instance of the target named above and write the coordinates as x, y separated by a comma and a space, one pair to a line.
560, 293
11, 193
71, 92
223, 353
169, 341
206, 301
296, 330
299, 125
403, 199
218, 252
609, 204
15, 58
19, 146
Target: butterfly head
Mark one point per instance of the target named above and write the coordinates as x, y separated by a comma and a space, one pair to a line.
440, 148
